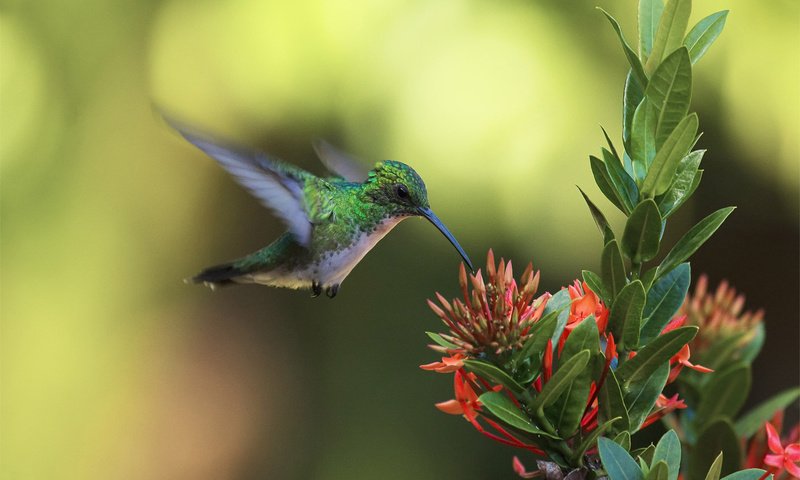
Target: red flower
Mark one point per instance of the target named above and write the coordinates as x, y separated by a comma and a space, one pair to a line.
447, 365
781, 458
681, 359
466, 402
664, 406
584, 303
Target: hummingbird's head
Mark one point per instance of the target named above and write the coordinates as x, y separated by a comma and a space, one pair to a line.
400, 190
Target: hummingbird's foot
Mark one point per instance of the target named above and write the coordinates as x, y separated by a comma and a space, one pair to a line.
316, 289
332, 290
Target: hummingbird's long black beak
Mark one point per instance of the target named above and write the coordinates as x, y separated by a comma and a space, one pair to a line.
428, 213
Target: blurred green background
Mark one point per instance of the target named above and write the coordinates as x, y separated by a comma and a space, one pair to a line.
113, 368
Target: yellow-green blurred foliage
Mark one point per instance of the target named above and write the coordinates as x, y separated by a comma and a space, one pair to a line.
113, 368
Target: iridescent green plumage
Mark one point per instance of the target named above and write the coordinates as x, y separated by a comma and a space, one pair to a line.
333, 222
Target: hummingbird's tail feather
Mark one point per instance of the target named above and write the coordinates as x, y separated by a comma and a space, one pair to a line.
218, 275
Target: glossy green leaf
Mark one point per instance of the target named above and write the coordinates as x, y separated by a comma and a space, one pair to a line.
623, 439
748, 474
441, 341
668, 450
683, 185
603, 182
590, 439
716, 468
669, 35
649, 15
503, 408
633, 59
611, 403
595, 284
661, 173
702, 35
642, 234
646, 453
725, 393
625, 186
610, 143
626, 315
653, 355
529, 357
491, 372
642, 395
643, 139
560, 301
632, 97
693, 239
612, 269
717, 437
659, 471
647, 278
754, 420
665, 297
669, 93
566, 413
617, 462
561, 380
599, 218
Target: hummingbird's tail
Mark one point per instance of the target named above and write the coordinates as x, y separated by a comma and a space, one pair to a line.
218, 275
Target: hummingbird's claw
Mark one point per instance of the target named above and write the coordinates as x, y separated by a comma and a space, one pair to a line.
316, 289
332, 291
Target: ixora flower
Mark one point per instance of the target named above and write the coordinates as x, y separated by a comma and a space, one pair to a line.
766, 449
782, 457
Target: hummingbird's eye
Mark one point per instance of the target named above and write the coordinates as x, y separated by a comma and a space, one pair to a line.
402, 191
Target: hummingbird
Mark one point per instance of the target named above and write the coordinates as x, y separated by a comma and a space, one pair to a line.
332, 222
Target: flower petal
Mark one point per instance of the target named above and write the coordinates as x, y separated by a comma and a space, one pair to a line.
773, 440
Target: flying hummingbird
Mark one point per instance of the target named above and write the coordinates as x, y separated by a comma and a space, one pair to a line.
332, 222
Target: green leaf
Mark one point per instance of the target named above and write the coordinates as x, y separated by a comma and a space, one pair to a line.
566, 413
716, 468
441, 341
725, 393
611, 403
612, 270
649, 15
669, 35
626, 315
717, 437
599, 218
623, 439
702, 35
643, 139
693, 239
661, 173
669, 93
683, 186
618, 464
642, 396
659, 471
664, 299
748, 474
603, 181
595, 284
642, 233
491, 372
754, 420
653, 355
632, 98
668, 450
610, 143
560, 301
625, 186
633, 59
590, 439
503, 408
529, 356
646, 454
561, 380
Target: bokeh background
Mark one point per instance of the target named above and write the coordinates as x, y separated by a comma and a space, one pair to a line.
113, 368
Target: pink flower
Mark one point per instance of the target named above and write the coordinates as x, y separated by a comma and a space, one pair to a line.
782, 458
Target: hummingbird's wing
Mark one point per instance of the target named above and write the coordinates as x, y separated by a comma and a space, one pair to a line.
340, 163
279, 186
